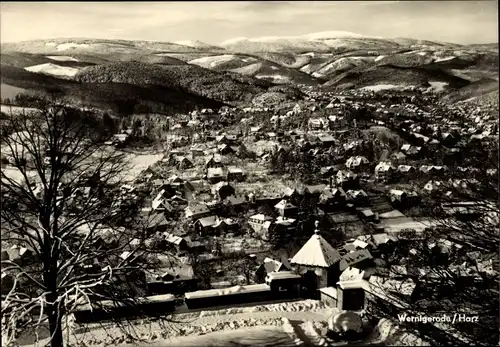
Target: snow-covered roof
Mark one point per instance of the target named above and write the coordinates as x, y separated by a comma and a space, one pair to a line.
383, 167
208, 221
396, 192
284, 220
391, 214
215, 172
360, 244
173, 238
355, 161
284, 204
195, 209
215, 158
330, 291
282, 275
234, 170
383, 238
227, 221
355, 257
346, 173
356, 193
352, 274
405, 168
316, 252
260, 217
253, 288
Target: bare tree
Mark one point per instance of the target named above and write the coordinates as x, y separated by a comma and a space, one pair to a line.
454, 264
64, 206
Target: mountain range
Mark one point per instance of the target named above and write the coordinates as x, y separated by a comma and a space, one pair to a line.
178, 76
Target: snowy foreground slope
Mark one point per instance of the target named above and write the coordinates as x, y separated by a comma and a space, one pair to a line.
254, 336
298, 323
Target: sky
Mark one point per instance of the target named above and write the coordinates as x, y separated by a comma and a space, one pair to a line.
463, 22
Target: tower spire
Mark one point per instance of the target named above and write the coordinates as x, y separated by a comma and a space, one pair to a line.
316, 229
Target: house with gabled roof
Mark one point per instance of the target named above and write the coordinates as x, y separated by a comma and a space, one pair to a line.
173, 279
285, 208
215, 175
205, 225
184, 163
226, 225
357, 163
227, 139
285, 226
332, 196
357, 195
384, 171
261, 224
268, 266
213, 162
157, 222
175, 181
197, 151
326, 140
236, 202
346, 178
405, 147
196, 211
225, 149
292, 193
406, 172
234, 174
180, 244
360, 259
160, 204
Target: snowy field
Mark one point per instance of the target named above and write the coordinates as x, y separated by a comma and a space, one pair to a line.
380, 87
140, 162
53, 69
437, 86
69, 45
213, 61
61, 58
15, 110
136, 164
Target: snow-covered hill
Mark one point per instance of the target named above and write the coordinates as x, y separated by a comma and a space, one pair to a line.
53, 69
197, 44
317, 42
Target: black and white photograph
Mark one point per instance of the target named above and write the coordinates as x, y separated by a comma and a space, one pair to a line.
249, 173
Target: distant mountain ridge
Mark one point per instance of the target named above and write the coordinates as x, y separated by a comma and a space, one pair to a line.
238, 70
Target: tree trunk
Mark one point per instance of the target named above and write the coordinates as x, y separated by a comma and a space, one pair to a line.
55, 327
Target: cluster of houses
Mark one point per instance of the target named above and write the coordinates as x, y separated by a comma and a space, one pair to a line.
351, 276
